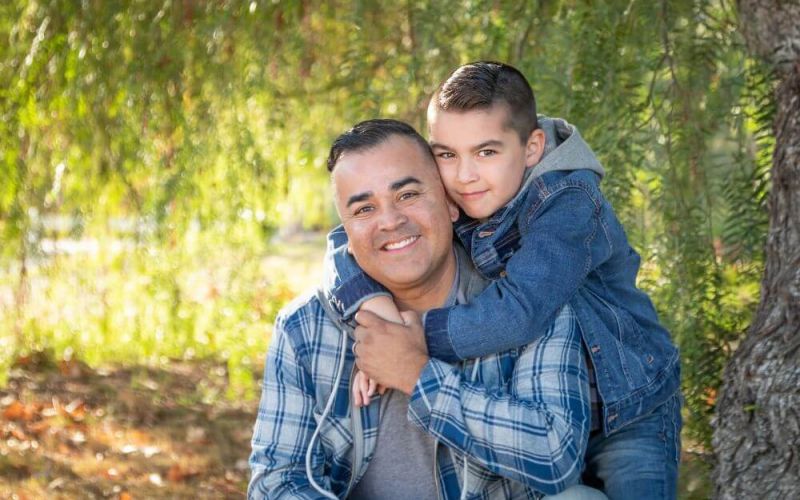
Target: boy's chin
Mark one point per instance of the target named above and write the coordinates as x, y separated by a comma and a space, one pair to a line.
478, 214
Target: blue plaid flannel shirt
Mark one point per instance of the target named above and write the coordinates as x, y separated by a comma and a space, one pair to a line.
522, 417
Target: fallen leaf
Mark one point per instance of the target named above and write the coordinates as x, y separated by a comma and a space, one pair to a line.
76, 410
175, 473
39, 427
19, 434
17, 411
125, 496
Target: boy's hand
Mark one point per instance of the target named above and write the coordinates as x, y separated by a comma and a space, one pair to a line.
364, 388
391, 354
383, 306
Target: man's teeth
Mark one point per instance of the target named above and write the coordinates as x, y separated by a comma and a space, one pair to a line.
401, 243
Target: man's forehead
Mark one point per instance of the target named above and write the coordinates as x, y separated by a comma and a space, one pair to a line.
384, 166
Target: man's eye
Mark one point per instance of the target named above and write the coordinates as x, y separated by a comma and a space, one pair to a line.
408, 195
487, 152
363, 210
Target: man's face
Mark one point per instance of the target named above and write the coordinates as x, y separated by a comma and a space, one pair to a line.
480, 158
395, 212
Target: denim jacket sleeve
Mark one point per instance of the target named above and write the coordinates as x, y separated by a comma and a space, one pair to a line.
534, 429
284, 427
346, 286
562, 238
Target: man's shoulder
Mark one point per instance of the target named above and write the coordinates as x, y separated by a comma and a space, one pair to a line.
303, 314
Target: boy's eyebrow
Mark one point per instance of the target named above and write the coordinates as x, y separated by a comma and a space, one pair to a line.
484, 144
395, 186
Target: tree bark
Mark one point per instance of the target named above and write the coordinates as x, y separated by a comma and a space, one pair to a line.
757, 426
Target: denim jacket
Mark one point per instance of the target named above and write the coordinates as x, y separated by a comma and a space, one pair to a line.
558, 241
473, 408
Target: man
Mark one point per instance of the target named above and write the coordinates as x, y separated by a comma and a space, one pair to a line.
513, 424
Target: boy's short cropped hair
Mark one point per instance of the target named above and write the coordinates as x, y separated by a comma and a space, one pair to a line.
482, 84
371, 133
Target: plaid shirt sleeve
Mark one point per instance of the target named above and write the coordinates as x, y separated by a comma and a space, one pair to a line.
534, 429
285, 423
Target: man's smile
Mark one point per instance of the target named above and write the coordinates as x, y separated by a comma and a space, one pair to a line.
394, 246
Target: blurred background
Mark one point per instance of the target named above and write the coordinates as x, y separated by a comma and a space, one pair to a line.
163, 193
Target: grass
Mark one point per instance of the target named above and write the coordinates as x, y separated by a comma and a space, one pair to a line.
206, 298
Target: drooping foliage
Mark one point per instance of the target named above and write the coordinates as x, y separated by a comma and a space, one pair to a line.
191, 131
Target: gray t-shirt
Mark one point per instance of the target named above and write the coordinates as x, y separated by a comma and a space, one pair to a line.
402, 465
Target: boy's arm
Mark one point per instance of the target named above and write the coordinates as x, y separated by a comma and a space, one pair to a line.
534, 430
346, 286
560, 244
283, 428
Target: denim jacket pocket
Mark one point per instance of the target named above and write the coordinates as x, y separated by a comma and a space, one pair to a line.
627, 337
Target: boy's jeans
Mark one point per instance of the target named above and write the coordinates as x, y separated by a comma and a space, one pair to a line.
640, 460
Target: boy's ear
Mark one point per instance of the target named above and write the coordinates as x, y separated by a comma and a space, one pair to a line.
534, 148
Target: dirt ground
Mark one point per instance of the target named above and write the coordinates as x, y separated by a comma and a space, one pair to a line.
67, 431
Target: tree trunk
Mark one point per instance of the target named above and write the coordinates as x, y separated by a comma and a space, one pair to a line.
757, 427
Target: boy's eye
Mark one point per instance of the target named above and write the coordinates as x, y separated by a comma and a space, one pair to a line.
446, 155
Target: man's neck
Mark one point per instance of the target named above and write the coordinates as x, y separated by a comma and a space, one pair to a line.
431, 294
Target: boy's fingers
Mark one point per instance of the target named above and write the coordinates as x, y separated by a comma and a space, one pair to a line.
382, 389
366, 318
372, 387
410, 318
357, 396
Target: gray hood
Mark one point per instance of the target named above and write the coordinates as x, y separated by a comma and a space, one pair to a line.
564, 150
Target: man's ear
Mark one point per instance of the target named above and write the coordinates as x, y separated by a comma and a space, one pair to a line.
534, 148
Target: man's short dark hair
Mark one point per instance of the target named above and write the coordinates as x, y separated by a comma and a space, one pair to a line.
481, 85
371, 133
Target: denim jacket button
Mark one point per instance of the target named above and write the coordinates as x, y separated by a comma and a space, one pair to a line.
484, 234
503, 274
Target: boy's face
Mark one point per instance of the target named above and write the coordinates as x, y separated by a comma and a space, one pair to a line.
480, 158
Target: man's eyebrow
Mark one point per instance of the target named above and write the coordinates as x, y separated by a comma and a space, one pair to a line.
356, 198
397, 185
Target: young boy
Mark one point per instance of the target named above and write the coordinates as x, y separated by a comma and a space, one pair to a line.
534, 220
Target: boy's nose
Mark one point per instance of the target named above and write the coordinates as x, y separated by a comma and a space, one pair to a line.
467, 172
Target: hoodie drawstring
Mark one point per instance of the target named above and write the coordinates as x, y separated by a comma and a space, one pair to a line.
325, 412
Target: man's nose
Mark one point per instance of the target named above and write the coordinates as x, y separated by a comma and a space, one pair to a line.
391, 219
